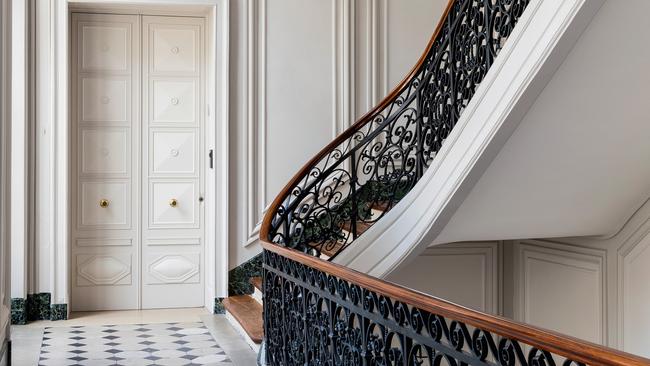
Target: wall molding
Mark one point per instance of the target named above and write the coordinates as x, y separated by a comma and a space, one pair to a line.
625, 254
343, 65
580, 258
491, 253
256, 121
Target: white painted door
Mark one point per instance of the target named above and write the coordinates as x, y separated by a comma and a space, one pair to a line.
172, 188
136, 132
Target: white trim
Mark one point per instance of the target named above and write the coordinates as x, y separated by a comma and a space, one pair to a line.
630, 247
256, 121
343, 36
59, 164
537, 46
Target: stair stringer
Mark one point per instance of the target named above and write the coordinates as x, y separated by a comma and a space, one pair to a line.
539, 43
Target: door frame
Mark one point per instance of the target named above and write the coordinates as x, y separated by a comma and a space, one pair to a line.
216, 137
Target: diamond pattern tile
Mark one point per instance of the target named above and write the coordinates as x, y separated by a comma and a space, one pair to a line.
186, 344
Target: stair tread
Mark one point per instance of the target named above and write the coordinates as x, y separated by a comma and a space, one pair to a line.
362, 227
329, 252
248, 313
256, 282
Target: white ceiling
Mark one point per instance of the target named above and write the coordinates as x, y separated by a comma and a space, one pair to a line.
579, 162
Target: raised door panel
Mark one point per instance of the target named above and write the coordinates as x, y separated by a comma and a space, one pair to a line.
174, 47
103, 269
174, 101
104, 151
177, 268
173, 205
105, 46
173, 152
104, 99
105, 205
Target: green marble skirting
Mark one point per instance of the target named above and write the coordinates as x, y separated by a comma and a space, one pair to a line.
37, 307
238, 277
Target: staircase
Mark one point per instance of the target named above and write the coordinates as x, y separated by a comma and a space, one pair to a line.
245, 313
376, 192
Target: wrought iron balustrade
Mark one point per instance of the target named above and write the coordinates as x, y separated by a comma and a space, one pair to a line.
320, 313
363, 173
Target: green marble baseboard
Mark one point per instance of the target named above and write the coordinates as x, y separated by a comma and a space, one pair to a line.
18, 311
218, 306
59, 312
238, 277
36, 307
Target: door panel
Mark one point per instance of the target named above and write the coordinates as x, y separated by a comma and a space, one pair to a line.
173, 204
174, 101
104, 151
104, 205
172, 247
173, 151
174, 45
105, 93
105, 47
104, 99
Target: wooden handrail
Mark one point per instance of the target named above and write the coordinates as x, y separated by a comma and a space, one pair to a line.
365, 119
562, 345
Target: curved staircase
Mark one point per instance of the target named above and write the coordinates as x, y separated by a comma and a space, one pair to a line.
317, 309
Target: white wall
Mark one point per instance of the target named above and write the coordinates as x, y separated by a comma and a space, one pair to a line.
468, 274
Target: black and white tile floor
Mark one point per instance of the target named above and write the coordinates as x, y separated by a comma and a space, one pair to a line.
140, 344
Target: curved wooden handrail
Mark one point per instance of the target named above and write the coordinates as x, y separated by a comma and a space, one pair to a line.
360, 123
562, 345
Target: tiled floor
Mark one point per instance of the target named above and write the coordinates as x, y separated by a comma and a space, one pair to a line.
135, 338
135, 344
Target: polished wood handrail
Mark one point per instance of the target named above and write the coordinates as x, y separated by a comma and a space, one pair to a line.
365, 119
562, 345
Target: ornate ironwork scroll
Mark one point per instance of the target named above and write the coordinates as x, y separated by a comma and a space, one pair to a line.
362, 177
314, 318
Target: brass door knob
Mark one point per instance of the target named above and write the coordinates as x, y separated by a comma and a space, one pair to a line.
173, 202
103, 203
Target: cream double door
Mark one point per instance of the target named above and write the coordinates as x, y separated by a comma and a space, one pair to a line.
137, 90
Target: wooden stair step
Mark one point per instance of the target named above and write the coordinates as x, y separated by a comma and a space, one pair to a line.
248, 313
329, 252
362, 227
256, 282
